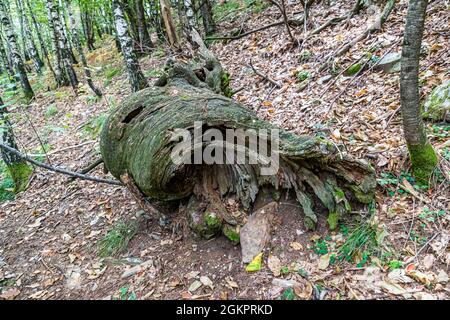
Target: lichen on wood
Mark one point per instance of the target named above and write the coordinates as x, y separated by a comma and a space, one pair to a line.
137, 140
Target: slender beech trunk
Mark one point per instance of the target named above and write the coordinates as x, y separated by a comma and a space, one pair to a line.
61, 45
44, 50
14, 52
207, 17
20, 171
422, 155
145, 42
32, 49
135, 76
76, 40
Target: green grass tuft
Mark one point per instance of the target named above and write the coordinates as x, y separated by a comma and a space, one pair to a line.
117, 239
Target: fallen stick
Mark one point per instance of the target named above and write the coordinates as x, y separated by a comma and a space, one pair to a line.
242, 35
61, 150
57, 169
262, 75
336, 20
89, 168
375, 26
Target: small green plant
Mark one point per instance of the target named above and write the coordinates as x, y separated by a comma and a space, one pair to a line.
363, 240
124, 294
110, 74
395, 264
302, 75
94, 126
117, 239
431, 215
321, 247
51, 111
284, 270
288, 294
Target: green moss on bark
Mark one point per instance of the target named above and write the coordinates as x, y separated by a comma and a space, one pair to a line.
423, 161
20, 173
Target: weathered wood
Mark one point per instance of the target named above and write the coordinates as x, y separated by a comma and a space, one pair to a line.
137, 140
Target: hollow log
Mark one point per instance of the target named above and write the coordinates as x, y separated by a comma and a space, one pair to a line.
141, 135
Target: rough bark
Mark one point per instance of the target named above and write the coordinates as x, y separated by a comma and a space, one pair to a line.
14, 52
32, 49
18, 169
135, 76
77, 42
145, 42
62, 45
171, 33
422, 155
60, 73
207, 17
44, 50
6, 62
137, 141
189, 13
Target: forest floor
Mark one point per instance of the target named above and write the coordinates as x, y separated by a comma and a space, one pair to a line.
49, 234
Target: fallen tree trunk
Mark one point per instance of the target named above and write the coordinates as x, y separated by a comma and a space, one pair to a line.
142, 135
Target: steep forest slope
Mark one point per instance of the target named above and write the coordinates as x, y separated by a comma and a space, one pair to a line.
55, 237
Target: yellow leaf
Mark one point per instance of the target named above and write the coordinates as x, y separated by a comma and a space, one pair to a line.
256, 264
271, 110
267, 103
361, 92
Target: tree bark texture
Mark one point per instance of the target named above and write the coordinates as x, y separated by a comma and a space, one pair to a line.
422, 155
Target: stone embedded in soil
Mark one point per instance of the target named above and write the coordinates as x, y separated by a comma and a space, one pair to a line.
137, 269
437, 104
255, 234
390, 63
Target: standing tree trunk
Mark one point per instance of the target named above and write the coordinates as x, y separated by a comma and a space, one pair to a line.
14, 52
40, 39
189, 13
61, 45
18, 168
168, 23
26, 56
5, 61
76, 40
145, 42
207, 17
421, 152
135, 76
31, 45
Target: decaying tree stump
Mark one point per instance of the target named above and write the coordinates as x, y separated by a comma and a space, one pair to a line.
138, 140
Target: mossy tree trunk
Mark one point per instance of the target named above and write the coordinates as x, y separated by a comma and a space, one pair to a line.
422, 155
137, 142
20, 171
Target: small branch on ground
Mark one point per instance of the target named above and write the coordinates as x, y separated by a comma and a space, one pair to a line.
262, 75
282, 7
356, 8
375, 26
57, 169
239, 36
89, 168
